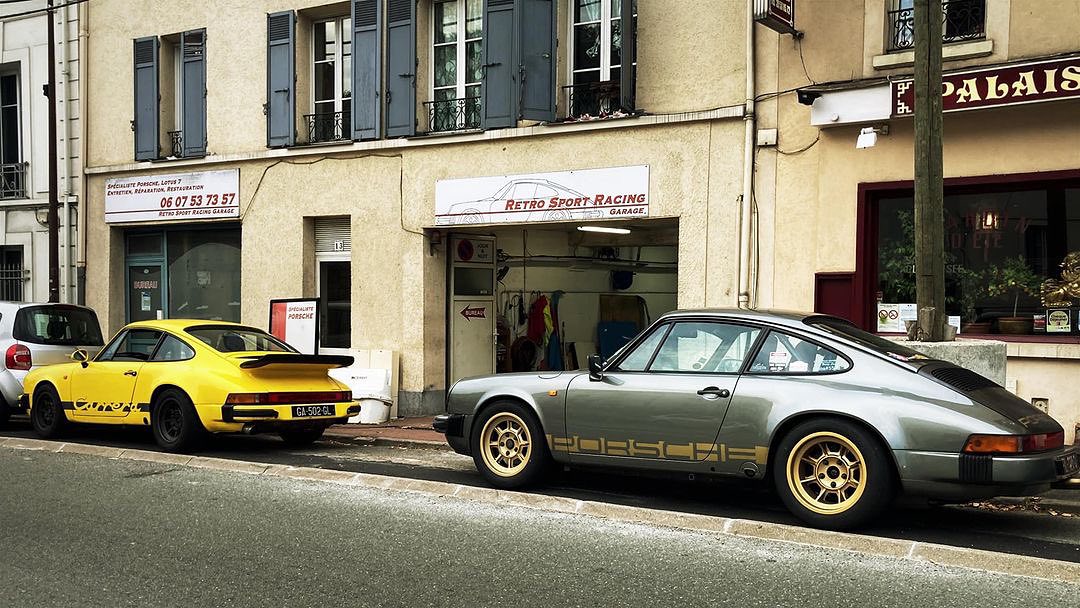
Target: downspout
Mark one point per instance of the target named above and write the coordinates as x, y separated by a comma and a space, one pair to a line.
746, 206
83, 200
65, 219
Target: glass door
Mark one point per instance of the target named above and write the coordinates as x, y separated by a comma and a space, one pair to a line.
145, 291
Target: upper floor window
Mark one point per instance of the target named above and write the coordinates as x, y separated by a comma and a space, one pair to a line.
961, 20
174, 96
331, 73
596, 51
12, 169
456, 64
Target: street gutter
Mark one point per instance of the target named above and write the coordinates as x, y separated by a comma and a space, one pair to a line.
942, 555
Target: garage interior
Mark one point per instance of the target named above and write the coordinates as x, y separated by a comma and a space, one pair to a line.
564, 291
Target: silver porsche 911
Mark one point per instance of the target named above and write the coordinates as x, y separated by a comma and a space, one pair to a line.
839, 419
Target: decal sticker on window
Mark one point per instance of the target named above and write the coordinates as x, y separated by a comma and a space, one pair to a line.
778, 361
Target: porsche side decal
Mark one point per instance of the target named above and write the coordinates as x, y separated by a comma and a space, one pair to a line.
710, 452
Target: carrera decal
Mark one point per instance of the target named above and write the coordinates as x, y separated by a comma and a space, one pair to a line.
690, 452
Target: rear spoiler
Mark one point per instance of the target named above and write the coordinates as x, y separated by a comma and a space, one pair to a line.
296, 358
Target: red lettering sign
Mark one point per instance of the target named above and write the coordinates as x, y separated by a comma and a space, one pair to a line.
480, 312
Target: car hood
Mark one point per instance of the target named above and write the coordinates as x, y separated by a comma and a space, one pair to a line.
991, 395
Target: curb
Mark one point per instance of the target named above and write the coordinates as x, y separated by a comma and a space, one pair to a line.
941, 555
387, 441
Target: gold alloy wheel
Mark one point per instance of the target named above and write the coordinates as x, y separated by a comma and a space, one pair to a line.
826, 473
505, 444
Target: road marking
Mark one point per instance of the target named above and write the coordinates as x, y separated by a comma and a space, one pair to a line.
942, 555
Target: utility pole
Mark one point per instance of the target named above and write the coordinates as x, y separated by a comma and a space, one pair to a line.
929, 206
54, 187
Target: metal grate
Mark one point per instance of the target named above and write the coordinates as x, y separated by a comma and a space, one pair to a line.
960, 19
12, 279
453, 114
327, 126
399, 10
144, 51
365, 13
332, 234
12, 181
976, 468
279, 27
963, 380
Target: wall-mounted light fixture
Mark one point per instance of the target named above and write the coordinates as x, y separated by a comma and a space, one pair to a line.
604, 229
868, 136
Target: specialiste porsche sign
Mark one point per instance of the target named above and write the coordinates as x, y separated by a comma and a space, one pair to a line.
179, 196
587, 194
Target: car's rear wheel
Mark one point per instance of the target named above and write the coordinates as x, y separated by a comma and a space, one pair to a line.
301, 437
832, 473
175, 423
508, 446
47, 413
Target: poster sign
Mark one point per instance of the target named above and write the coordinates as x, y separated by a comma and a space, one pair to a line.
588, 194
1003, 85
777, 15
296, 322
178, 196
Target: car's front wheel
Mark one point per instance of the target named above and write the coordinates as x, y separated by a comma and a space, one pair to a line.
508, 446
832, 473
175, 423
47, 413
298, 438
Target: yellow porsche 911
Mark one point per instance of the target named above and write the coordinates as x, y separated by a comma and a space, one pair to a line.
183, 378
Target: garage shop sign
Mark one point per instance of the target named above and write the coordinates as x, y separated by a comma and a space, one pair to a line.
583, 195
179, 196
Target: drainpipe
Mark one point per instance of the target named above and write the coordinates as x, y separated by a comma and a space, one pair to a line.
65, 169
745, 207
80, 209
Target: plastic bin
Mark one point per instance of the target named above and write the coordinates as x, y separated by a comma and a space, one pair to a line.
371, 388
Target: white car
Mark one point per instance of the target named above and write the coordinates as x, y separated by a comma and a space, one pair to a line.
33, 335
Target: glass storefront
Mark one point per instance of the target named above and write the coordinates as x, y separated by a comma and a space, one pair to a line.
1002, 243
189, 273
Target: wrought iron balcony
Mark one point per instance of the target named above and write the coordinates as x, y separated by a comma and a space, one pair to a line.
177, 142
12, 181
961, 20
327, 126
592, 100
453, 114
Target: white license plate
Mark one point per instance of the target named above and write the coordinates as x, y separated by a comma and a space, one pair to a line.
308, 411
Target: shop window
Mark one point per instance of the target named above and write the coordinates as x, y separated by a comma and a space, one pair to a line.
456, 65
331, 76
596, 53
1002, 245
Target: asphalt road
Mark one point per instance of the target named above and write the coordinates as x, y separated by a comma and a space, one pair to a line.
1021, 531
99, 532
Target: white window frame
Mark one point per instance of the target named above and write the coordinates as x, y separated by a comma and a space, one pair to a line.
605, 39
461, 42
339, 62
331, 256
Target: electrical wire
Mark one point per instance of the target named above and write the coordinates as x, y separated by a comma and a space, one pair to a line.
802, 60
817, 138
36, 11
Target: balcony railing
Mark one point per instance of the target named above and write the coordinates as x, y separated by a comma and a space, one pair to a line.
12, 181
176, 143
453, 114
328, 126
592, 100
961, 20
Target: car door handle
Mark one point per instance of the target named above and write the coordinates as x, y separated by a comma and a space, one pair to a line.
132, 372
712, 391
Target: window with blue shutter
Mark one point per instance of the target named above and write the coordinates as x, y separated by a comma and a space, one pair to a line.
401, 68
537, 62
628, 55
280, 79
499, 86
145, 122
193, 86
366, 65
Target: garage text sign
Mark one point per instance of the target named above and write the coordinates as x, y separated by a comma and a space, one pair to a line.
588, 194
180, 196
998, 86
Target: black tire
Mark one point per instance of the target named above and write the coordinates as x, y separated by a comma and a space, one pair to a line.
47, 413
519, 455
848, 477
5, 413
298, 438
175, 423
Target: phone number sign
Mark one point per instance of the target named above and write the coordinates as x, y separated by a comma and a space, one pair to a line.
180, 196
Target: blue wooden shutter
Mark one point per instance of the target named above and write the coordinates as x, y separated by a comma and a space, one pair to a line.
498, 89
145, 123
537, 30
366, 64
281, 79
193, 85
401, 68
628, 52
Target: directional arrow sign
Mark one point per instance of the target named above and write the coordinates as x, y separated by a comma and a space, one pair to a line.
479, 312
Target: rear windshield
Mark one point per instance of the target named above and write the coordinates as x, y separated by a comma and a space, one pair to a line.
238, 339
57, 325
878, 344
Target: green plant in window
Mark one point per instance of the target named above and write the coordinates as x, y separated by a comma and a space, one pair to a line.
896, 261
1013, 277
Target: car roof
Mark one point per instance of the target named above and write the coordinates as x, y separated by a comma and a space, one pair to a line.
791, 318
178, 325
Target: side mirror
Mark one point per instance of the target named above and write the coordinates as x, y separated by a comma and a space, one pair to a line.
81, 356
596, 368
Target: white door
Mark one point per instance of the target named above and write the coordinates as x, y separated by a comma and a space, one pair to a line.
472, 306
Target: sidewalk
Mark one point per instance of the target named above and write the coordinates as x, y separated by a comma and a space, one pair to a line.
400, 430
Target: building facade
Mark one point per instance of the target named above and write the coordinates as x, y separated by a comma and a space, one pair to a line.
24, 150
443, 176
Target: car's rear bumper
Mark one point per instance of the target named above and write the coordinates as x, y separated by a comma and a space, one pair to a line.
264, 418
956, 476
453, 427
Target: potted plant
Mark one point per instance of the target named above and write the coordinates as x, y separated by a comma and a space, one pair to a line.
972, 284
1014, 277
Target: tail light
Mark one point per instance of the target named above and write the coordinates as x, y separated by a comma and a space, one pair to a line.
18, 357
288, 398
1014, 444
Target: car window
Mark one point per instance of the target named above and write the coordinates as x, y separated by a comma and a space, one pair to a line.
844, 329
783, 353
543, 191
132, 345
638, 359
57, 325
173, 349
228, 339
713, 348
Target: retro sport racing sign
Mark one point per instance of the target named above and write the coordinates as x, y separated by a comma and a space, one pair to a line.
587, 194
